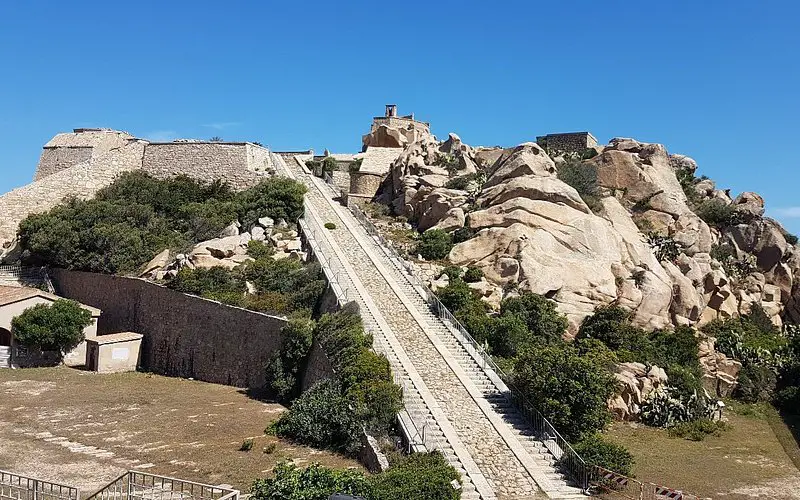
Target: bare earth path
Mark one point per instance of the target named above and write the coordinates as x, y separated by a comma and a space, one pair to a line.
82, 429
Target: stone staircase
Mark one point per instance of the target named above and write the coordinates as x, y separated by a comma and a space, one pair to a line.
451, 402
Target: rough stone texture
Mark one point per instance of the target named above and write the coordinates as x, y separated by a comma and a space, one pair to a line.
80, 181
182, 333
635, 383
240, 165
569, 142
394, 132
318, 367
69, 149
719, 371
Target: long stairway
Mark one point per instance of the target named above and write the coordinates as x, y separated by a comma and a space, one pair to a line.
451, 402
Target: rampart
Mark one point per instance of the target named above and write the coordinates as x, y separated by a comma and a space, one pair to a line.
80, 181
184, 336
569, 142
239, 164
69, 149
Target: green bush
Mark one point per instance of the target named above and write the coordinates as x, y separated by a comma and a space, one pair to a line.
583, 177
52, 327
321, 417
698, 430
283, 370
247, 445
417, 476
570, 390
329, 164
452, 272
209, 282
507, 336
457, 295
462, 234
756, 383
665, 248
315, 482
750, 339
596, 450
720, 215
435, 244
473, 275
666, 408
137, 216
259, 249
461, 182
538, 313
330, 225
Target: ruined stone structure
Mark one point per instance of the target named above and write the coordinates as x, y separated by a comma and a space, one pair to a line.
392, 131
572, 142
79, 163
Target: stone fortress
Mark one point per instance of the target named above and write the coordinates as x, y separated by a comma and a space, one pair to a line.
79, 163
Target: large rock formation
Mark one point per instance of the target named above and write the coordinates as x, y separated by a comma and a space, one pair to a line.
641, 245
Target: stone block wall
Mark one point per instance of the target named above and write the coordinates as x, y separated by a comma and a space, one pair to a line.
365, 183
57, 159
207, 161
570, 142
80, 181
184, 336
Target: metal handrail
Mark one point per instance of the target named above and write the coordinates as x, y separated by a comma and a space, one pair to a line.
21, 487
333, 267
550, 437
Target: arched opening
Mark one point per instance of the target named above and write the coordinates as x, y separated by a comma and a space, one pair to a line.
5, 337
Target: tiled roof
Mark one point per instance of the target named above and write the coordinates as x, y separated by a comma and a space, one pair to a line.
12, 294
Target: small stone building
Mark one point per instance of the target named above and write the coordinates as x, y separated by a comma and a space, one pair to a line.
376, 163
13, 302
114, 353
571, 142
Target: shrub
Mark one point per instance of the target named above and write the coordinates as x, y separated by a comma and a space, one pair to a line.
596, 450
666, 408
270, 448
664, 247
583, 177
612, 326
538, 313
435, 244
259, 250
457, 295
138, 216
508, 335
321, 418
462, 234
449, 162
790, 238
452, 272
417, 476
719, 214
208, 283
473, 275
355, 165
461, 182
570, 390
751, 339
247, 445
756, 383
312, 483
697, 430
52, 327
329, 164
283, 368
330, 225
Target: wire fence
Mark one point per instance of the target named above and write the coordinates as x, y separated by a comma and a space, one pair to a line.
19, 487
133, 485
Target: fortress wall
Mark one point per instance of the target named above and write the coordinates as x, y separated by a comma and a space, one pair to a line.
184, 336
72, 148
80, 181
57, 159
204, 161
259, 159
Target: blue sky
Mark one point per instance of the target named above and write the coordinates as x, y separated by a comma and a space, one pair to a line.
715, 80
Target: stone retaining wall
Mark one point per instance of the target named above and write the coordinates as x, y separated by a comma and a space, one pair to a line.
57, 159
184, 336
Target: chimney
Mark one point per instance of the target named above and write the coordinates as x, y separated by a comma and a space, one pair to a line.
391, 110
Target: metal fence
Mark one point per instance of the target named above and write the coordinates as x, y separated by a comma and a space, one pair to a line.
18, 487
561, 450
30, 276
609, 485
134, 485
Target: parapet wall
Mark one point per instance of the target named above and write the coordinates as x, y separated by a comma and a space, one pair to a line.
57, 159
80, 181
72, 148
239, 164
184, 336
569, 142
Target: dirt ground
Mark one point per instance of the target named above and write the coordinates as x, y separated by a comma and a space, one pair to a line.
746, 462
83, 429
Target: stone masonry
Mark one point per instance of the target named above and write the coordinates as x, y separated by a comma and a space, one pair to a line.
568, 143
79, 163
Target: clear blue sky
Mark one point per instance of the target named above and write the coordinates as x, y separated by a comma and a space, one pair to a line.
715, 80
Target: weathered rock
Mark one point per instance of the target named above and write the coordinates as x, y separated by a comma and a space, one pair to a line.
682, 162
220, 248
763, 238
751, 203
160, 261
547, 189
266, 222
453, 220
231, 229
436, 206
206, 261
527, 159
719, 371
258, 233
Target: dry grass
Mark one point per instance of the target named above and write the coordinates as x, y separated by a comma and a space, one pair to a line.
82, 429
747, 461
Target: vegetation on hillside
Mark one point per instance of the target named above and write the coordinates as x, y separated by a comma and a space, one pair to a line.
137, 216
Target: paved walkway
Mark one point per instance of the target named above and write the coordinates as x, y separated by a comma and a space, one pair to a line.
444, 391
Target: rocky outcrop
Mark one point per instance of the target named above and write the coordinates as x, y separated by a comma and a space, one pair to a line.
635, 382
719, 371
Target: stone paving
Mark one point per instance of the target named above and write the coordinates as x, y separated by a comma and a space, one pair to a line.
502, 469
